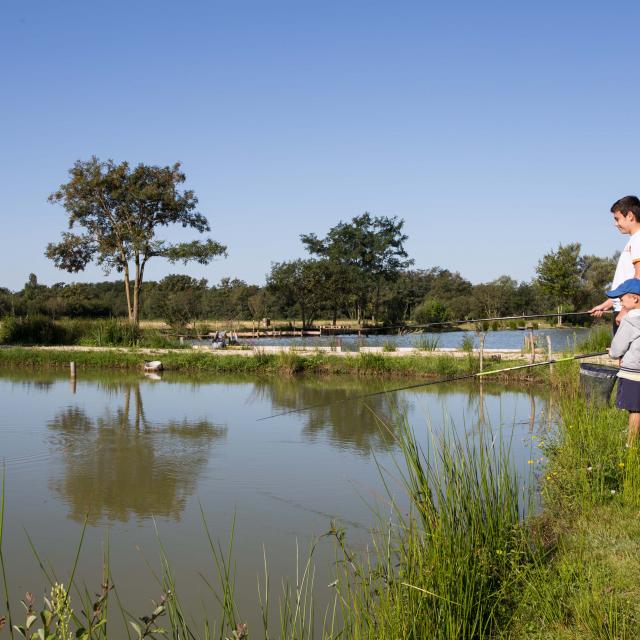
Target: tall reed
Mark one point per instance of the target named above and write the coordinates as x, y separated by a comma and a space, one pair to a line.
449, 569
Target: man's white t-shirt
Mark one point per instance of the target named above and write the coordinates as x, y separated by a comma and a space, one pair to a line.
626, 265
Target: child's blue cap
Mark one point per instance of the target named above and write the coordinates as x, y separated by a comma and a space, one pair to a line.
628, 286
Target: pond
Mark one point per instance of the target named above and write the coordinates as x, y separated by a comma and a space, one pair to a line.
130, 455
561, 339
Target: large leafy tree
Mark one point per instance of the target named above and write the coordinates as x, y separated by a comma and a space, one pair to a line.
118, 211
368, 251
560, 274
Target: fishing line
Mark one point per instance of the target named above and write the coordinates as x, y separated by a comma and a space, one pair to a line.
466, 376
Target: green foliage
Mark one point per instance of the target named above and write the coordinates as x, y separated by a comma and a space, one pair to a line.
430, 311
427, 343
598, 339
362, 255
300, 283
466, 344
178, 300
114, 333
119, 211
389, 346
559, 273
566, 276
31, 330
453, 566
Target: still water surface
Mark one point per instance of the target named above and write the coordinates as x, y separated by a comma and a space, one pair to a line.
561, 339
125, 452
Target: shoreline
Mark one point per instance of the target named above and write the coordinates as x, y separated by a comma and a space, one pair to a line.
287, 361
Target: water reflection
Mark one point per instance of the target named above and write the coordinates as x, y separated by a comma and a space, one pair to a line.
333, 410
337, 411
119, 464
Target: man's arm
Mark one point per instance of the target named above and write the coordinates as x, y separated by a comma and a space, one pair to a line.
599, 309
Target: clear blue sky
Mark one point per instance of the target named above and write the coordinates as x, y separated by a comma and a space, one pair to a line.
496, 130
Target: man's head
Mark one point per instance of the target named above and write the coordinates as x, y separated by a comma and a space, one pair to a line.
626, 214
628, 292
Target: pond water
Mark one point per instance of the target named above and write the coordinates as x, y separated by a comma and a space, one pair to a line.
561, 339
127, 452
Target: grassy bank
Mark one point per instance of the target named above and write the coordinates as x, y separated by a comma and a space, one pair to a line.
284, 363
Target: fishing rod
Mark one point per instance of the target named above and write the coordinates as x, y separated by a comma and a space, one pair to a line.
466, 376
477, 320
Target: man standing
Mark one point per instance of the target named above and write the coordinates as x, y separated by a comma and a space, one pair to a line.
626, 218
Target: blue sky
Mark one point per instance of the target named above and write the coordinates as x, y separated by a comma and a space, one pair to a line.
497, 130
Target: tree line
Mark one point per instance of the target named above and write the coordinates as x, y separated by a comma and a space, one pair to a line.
304, 291
359, 270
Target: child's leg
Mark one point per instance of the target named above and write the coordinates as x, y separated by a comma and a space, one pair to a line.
634, 427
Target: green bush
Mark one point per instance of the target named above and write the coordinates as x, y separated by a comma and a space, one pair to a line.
114, 333
430, 311
31, 330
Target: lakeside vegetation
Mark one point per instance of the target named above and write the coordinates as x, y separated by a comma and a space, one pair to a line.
288, 363
471, 558
359, 272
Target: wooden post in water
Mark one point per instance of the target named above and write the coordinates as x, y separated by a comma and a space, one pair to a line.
481, 351
72, 371
532, 342
549, 353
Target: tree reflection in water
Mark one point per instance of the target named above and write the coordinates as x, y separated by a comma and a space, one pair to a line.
335, 408
332, 409
119, 465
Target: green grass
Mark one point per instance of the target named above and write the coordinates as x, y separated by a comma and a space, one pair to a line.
599, 339
288, 363
427, 343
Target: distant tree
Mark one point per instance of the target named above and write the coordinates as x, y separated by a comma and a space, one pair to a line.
368, 251
229, 300
560, 275
119, 211
299, 283
178, 299
6, 302
495, 298
598, 275
257, 304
